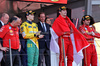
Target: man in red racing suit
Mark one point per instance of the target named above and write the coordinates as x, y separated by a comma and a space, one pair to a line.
89, 32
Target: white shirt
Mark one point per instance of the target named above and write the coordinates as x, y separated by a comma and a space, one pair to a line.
2, 23
44, 25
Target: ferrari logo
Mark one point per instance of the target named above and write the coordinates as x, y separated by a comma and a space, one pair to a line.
11, 31
86, 31
91, 28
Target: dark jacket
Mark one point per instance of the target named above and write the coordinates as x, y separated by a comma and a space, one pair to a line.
44, 42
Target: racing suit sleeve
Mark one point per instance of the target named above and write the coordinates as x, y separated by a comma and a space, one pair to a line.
3, 31
97, 34
81, 29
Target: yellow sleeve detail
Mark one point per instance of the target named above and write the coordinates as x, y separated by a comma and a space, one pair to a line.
36, 28
25, 32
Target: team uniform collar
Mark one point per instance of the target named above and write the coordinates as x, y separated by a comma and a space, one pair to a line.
30, 22
86, 26
2, 23
12, 27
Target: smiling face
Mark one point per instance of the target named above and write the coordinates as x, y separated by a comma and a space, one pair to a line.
63, 13
86, 22
30, 17
42, 17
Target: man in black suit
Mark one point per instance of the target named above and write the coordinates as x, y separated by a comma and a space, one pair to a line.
44, 43
4, 17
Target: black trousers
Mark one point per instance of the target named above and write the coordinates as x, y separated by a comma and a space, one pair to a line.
44, 53
15, 58
2, 62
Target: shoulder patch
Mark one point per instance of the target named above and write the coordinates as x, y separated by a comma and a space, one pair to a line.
22, 29
25, 24
10, 27
36, 25
91, 28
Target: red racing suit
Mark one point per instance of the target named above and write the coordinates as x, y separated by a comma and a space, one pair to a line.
64, 30
68, 50
63, 27
67, 46
90, 54
9, 32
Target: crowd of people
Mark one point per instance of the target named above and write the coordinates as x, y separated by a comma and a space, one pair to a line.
28, 42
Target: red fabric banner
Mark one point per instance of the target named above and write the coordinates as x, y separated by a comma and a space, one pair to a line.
60, 26
49, 1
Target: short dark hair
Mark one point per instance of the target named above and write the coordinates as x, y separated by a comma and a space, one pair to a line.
13, 19
19, 16
41, 13
91, 20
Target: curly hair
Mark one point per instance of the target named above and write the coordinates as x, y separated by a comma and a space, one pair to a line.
91, 20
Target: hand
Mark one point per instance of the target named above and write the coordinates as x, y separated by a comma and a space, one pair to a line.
19, 48
4, 49
38, 33
71, 31
41, 36
93, 33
